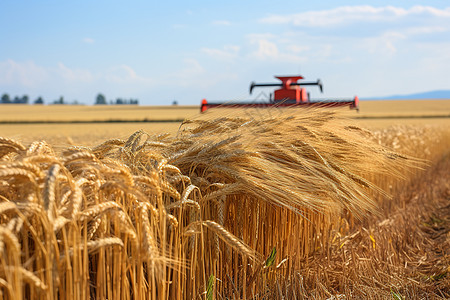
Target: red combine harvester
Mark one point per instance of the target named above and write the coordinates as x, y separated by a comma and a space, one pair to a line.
290, 94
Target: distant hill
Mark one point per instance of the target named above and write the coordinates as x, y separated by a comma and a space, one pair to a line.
440, 94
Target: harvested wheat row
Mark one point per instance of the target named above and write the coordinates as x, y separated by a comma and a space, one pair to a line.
154, 217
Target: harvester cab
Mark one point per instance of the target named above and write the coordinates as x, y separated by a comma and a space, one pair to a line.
291, 92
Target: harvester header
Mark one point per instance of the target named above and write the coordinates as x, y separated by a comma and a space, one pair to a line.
290, 93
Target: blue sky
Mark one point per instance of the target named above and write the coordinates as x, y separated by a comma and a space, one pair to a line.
159, 51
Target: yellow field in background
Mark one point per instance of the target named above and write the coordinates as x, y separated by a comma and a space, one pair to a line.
413, 108
373, 114
391, 108
61, 134
94, 113
384, 113
81, 134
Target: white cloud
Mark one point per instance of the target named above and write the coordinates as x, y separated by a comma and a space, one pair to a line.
267, 47
430, 11
372, 33
72, 82
73, 75
26, 73
351, 14
298, 48
425, 30
384, 44
124, 74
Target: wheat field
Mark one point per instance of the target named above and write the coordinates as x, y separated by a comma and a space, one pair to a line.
274, 204
64, 113
63, 125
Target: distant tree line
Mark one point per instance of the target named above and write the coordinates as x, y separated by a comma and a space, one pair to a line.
6, 99
16, 100
99, 100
